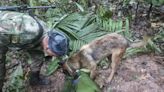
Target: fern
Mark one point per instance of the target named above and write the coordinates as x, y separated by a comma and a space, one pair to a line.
79, 28
119, 26
76, 44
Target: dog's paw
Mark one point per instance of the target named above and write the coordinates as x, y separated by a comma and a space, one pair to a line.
100, 82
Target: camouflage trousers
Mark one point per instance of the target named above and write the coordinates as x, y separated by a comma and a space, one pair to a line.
37, 58
3, 51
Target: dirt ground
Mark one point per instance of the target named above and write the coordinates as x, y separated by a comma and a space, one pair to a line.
143, 73
56, 83
138, 74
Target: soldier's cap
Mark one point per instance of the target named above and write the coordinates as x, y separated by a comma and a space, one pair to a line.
58, 43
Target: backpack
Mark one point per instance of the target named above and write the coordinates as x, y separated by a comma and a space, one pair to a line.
19, 30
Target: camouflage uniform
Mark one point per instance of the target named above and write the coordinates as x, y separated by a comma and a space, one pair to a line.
20, 31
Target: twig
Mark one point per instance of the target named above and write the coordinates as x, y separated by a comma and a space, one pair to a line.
159, 57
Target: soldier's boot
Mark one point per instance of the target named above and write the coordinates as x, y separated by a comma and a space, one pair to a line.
2, 66
37, 79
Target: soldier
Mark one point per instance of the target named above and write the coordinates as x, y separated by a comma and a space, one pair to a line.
20, 31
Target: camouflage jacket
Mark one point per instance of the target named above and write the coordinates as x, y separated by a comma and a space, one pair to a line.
20, 30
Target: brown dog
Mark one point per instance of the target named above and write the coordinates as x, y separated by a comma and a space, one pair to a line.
90, 54
112, 46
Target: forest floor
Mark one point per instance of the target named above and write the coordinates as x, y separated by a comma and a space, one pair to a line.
138, 73
141, 73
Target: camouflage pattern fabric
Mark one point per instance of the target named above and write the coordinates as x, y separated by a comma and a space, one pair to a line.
17, 29
3, 51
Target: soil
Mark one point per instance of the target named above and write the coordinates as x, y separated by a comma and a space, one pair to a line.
136, 74
56, 83
140, 73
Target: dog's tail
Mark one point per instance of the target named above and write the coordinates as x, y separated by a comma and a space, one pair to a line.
139, 44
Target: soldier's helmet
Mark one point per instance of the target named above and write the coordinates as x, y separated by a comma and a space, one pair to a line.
58, 42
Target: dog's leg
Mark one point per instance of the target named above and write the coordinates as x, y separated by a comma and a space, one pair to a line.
90, 64
93, 70
116, 58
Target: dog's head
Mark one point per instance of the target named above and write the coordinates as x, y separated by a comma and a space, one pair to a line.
67, 69
70, 65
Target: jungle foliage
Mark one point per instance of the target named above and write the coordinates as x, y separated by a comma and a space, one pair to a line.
83, 21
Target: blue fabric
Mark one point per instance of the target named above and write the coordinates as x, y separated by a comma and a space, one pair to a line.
76, 78
58, 42
75, 81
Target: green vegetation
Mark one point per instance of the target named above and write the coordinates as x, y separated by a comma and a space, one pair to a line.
82, 25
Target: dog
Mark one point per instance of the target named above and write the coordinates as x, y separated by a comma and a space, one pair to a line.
111, 46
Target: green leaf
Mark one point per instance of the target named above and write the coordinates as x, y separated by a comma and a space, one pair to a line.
74, 27
69, 31
120, 25
62, 19
44, 1
127, 31
92, 36
68, 86
52, 67
87, 30
113, 26
76, 44
151, 45
110, 25
85, 84
80, 7
133, 51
